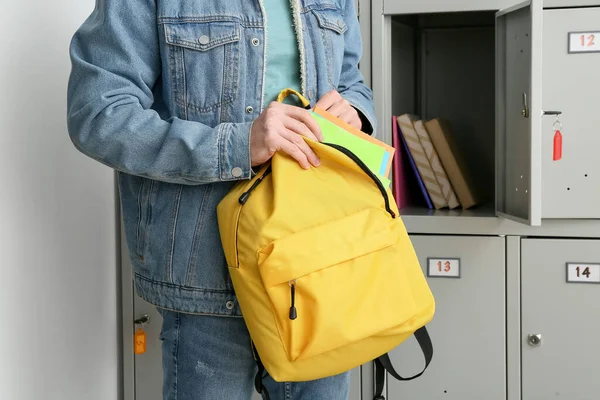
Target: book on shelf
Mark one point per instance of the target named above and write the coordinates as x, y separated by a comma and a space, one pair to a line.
434, 163
453, 161
408, 184
409, 133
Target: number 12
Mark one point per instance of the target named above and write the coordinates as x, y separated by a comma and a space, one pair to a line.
590, 39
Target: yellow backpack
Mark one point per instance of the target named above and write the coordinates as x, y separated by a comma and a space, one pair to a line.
322, 266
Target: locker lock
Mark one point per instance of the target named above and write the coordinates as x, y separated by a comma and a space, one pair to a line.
144, 319
535, 340
525, 111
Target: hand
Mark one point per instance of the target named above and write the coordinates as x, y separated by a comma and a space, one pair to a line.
335, 104
280, 127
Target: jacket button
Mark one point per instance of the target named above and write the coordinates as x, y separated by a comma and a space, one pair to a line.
237, 172
230, 305
249, 109
340, 23
255, 42
311, 94
204, 39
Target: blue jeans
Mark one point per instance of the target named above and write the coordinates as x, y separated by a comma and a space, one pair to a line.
210, 358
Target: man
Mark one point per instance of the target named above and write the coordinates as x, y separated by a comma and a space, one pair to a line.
177, 96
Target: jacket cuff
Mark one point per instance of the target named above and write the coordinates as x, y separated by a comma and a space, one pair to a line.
234, 151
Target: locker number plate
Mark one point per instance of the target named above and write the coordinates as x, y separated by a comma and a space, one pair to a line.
443, 267
584, 42
586, 273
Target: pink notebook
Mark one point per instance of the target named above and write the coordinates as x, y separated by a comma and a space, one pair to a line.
400, 182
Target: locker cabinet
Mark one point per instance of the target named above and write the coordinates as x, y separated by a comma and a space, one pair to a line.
560, 324
468, 330
498, 71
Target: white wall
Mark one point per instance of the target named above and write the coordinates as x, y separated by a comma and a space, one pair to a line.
58, 278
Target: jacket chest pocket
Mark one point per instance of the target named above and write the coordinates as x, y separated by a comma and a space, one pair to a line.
329, 22
203, 62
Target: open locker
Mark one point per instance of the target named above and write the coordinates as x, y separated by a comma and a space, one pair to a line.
486, 73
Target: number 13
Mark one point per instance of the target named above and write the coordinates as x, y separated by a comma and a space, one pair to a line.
446, 266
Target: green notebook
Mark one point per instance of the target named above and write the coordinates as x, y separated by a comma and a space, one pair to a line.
375, 157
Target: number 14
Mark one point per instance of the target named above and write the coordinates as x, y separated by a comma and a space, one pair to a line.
585, 272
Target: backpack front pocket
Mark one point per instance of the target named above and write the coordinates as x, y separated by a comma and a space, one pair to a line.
336, 283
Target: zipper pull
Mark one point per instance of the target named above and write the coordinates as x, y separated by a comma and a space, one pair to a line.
244, 197
293, 312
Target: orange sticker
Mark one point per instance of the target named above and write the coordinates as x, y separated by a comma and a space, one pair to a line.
139, 341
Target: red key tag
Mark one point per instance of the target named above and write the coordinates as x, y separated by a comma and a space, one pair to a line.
557, 155
557, 152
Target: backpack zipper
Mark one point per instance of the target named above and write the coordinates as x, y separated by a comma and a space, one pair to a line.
293, 311
244, 197
370, 173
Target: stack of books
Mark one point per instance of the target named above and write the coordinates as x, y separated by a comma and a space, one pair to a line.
429, 163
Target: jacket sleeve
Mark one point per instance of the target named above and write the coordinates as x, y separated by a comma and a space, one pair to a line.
352, 86
116, 63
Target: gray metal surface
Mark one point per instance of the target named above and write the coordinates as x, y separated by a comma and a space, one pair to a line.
468, 329
565, 365
127, 316
457, 84
513, 317
428, 6
571, 3
483, 222
381, 70
518, 98
367, 374
404, 79
355, 385
571, 186
364, 17
148, 366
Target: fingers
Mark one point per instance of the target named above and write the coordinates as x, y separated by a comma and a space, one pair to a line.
351, 117
328, 99
298, 127
307, 120
283, 127
340, 108
295, 146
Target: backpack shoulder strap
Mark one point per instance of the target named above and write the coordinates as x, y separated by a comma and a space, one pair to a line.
383, 363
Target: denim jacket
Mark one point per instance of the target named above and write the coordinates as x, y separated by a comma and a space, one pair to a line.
165, 92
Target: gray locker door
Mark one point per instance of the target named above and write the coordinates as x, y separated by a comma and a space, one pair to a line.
518, 112
564, 363
571, 186
468, 329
